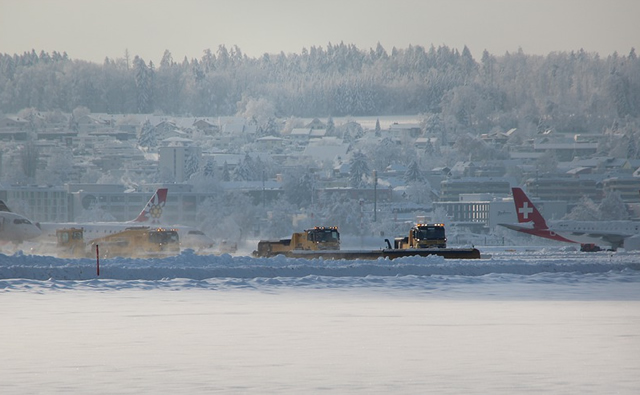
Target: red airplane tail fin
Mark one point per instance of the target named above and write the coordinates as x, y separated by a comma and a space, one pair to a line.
153, 210
526, 211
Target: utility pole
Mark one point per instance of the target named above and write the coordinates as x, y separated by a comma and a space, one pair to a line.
375, 195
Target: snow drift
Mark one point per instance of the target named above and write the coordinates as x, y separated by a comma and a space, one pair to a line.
188, 265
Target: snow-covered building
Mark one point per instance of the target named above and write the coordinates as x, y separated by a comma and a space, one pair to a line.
326, 149
180, 157
38, 203
300, 135
566, 151
269, 142
405, 130
207, 126
568, 189
316, 124
452, 188
628, 187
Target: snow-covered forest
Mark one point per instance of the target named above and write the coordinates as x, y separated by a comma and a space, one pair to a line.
573, 91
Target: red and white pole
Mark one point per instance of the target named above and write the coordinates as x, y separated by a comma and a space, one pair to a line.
97, 260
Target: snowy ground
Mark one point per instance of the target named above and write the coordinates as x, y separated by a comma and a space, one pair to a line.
521, 320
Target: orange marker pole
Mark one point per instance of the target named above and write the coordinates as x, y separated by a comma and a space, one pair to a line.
97, 260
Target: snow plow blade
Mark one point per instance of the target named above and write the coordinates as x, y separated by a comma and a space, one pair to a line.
447, 253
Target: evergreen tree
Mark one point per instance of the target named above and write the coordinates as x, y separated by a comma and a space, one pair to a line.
244, 171
331, 127
298, 187
358, 170
147, 136
384, 153
29, 160
209, 169
191, 164
413, 173
143, 82
226, 176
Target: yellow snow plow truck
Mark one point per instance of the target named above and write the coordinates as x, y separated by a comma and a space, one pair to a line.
133, 242
315, 239
422, 236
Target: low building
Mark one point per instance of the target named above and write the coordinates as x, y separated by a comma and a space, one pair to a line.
568, 189
627, 187
452, 188
567, 151
38, 203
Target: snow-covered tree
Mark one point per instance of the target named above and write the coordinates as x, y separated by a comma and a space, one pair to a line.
191, 164
298, 187
268, 128
419, 192
280, 221
226, 174
585, 210
346, 214
29, 160
209, 169
413, 173
613, 208
147, 137
358, 170
547, 163
108, 178
331, 127
76, 115
59, 169
245, 171
228, 216
260, 109
383, 153
144, 86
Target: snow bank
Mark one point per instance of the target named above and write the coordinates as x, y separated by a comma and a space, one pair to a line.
199, 267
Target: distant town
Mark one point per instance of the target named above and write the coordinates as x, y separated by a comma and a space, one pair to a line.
368, 175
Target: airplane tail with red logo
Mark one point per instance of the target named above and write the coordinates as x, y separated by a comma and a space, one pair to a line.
526, 211
153, 210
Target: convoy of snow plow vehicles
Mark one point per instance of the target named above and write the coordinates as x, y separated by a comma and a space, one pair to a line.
318, 242
324, 242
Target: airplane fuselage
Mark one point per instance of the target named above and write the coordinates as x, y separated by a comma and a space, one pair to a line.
16, 228
611, 233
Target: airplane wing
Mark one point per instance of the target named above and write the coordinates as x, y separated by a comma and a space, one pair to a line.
519, 226
613, 239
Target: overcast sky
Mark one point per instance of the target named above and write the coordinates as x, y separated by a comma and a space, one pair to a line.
95, 29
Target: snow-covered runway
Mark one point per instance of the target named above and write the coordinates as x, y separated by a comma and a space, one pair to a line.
525, 320
199, 267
